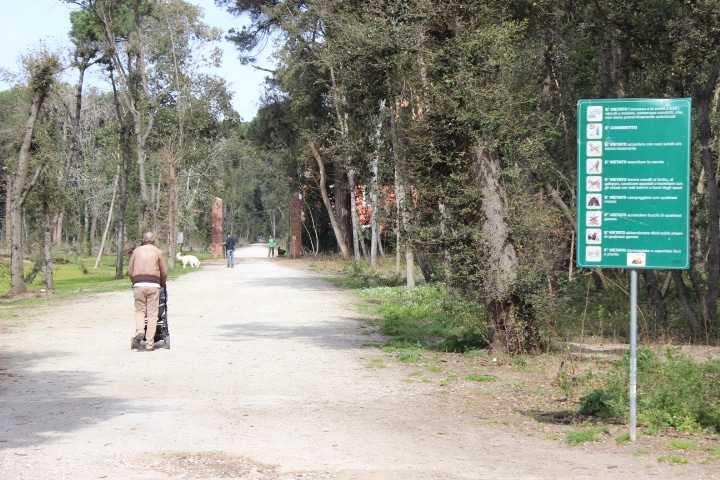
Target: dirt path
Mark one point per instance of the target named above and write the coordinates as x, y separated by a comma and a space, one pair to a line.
267, 378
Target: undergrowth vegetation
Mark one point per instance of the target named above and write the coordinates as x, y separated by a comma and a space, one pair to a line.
422, 317
427, 316
674, 392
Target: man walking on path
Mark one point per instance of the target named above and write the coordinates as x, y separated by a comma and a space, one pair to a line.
148, 272
271, 246
230, 250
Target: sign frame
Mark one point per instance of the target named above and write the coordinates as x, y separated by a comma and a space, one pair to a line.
633, 190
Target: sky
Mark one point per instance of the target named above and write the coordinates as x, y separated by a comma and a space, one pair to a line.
25, 24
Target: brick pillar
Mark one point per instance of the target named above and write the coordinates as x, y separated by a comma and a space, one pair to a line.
217, 228
296, 218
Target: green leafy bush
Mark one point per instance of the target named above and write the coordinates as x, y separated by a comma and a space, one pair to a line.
674, 393
597, 403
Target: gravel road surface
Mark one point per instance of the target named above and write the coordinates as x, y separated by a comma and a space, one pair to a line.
268, 377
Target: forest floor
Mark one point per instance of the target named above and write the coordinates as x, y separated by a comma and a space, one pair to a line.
274, 374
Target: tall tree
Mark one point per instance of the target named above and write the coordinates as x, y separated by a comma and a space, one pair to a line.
13, 113
43, 68
86, 52
178, 38
124, 27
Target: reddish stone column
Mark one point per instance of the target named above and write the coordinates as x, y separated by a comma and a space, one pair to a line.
217, 228
296, 219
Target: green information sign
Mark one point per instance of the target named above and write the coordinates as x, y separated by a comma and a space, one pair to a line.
633, 183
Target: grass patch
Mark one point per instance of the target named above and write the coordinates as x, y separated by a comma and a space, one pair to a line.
681, 444
673, 460
521, 364
486, 393
409, 356
623, 438
73, 274
481, 378
714, 452
448, 381
434, 368
377, 363
70, 275
361, 275
429, 317
578, 437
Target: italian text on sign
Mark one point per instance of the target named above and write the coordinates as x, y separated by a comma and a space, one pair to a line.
633, 183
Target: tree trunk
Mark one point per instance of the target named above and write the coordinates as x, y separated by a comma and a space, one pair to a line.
375, 186
690, 315
403, 219
347, 221
87, 247
342, 204
21, 189
109, 219
134, 93
426, 266
47, 245
702, 100
312, 235
513, 329
354, 215
93, 228
173, 210
657, 303
73, 148
397, 247
122, 205
402, 198
8, 198
339, 233
409, 266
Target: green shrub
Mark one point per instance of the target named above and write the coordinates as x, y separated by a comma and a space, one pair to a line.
674, 393
597, 403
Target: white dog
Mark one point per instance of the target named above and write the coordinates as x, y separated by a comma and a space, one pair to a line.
191, 259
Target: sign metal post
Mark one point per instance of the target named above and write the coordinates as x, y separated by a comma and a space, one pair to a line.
633, 193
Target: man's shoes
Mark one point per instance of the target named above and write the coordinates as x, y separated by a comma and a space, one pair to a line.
136, 341
148, 349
